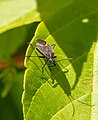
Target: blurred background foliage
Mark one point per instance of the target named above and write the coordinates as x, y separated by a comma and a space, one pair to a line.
17, 27
13, 44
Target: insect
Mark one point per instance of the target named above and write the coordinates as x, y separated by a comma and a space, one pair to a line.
47, 51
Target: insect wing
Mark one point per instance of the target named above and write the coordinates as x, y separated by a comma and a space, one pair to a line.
40, 42
46, 49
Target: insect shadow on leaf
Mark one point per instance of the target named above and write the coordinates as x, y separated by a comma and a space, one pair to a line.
47, 52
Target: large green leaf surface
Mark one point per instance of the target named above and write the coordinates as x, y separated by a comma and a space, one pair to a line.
72, 26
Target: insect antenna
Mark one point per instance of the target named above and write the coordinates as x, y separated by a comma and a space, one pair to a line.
64, 59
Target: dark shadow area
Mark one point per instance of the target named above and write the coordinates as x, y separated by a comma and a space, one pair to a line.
58, 75
8, 109
75, 38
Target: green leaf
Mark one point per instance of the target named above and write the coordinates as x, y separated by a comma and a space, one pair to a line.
17, 13
72, 26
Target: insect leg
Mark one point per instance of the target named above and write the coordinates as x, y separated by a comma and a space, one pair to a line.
36, 56
28, 56
30, 44
44, 65
34, 63
53, 45
41, 60
50, 66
